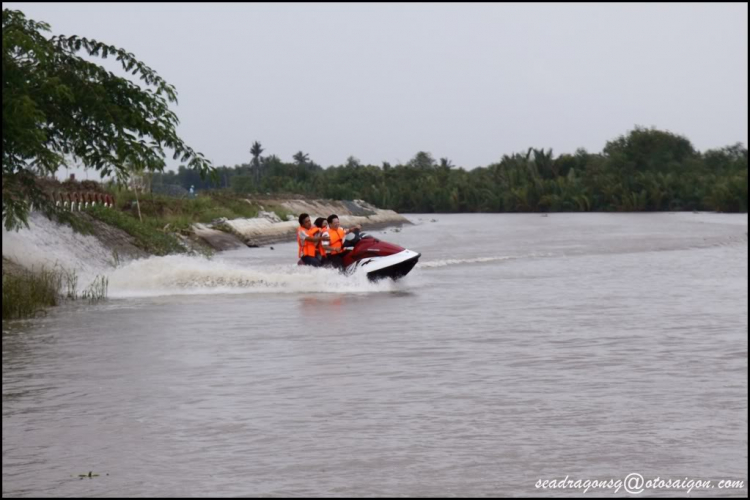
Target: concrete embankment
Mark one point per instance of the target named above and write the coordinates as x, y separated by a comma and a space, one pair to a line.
268, 228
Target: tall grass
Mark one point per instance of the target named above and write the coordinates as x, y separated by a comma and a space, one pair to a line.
27, 293
97, 290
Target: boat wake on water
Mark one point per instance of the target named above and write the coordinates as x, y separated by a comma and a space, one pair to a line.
454, 262
185, 275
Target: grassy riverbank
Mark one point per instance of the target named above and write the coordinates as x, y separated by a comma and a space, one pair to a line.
28, 292
163, 221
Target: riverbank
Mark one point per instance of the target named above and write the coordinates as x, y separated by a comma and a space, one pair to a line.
268, 227
158, 225
212, 220
217, 221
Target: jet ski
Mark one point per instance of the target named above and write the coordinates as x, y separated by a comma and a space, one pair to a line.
363, 253
378, 259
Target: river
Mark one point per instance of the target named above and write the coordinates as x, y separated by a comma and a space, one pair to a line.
521, 348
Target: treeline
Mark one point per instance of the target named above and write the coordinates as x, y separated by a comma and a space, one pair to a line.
644, 170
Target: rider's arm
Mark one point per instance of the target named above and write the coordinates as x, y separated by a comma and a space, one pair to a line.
304, 237
316, 239
325, 237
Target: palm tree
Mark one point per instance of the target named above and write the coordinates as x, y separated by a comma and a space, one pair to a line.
301, 158
256, 150
446, 163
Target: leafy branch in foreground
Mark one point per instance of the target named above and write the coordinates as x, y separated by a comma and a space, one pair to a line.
59, 107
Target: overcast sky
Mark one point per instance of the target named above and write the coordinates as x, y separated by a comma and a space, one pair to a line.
470, 82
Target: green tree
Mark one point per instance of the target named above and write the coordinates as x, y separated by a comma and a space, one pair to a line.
650, 149
256, 150
59, 107
301, 159
423, 161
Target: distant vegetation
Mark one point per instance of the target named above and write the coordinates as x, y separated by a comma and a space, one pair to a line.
644, 170
59, 106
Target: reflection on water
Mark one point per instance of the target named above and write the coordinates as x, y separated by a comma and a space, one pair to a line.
327, 304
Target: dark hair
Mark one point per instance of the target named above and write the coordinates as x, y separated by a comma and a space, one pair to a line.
331, 217
302, 218
319, 222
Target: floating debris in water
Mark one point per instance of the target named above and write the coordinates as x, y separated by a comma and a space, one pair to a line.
89, 475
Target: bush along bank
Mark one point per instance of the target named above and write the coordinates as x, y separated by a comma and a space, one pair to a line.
28, 292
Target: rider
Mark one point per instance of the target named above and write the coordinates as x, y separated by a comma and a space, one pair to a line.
336, 236
320, 251
307, 241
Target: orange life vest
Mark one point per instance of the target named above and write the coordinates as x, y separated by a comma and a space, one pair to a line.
306, 248
337, 240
